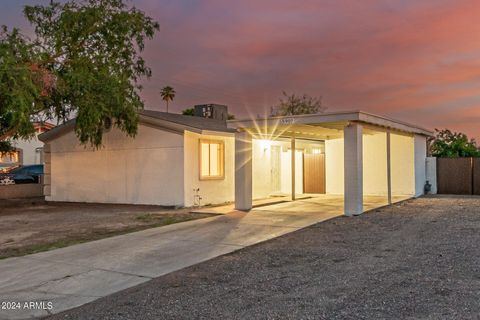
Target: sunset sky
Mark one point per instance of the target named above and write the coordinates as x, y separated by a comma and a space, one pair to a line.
414, 60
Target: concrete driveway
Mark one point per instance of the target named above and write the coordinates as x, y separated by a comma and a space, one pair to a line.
75, 275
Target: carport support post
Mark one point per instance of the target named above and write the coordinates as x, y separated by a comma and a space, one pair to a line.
293, 165
353, 167
389, 170
243, 171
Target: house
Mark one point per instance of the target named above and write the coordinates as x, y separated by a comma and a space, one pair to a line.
26, 152
181, 160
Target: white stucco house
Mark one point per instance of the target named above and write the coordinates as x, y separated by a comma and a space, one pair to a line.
26, 152
178, 160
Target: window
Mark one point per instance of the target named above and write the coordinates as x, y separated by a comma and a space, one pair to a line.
10, 157
211, 159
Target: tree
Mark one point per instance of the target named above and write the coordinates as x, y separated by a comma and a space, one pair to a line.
188, 112
167, 93
293, 105
84, 61
453, 145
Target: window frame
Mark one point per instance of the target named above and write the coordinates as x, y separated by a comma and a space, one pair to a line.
221, 162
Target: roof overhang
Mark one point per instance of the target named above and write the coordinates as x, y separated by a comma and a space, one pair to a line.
324, 125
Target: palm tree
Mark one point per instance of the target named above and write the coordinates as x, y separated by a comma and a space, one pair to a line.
167, 93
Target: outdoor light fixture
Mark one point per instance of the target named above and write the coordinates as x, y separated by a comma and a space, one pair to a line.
265, 144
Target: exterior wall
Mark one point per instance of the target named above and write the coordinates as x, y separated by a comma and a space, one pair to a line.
374, 165
375, 181
402, 164
420, 145
144, 170
286, 172
29, 152
243, 171
431, 173
32, 152
334, 166
262, 168
265, 175
211, 191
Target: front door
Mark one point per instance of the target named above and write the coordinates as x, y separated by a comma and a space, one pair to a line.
314, 173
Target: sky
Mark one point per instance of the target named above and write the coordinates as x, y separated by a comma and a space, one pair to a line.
413, 60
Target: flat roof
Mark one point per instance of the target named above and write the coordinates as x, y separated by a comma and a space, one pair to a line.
334, 120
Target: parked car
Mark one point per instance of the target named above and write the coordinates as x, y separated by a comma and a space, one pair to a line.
24, 174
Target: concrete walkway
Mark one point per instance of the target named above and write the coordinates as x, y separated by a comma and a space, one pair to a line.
78, 274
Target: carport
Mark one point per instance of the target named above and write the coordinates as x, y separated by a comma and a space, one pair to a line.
353, 155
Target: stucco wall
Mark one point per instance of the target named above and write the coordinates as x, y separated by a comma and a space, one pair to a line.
262, 168
286, 172
144, 170
420, 147
334, 166
268, 180
211, 191
31, 150
375, 164
431, 173
402, 164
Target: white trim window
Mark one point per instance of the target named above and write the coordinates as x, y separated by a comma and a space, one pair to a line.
212, 159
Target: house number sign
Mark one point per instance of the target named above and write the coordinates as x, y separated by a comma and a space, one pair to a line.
287, 121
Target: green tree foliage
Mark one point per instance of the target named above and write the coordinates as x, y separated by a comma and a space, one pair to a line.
292, 104
188, 112
84, 61
453, 145
167, 93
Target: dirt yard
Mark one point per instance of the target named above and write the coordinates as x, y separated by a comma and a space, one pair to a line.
33, 226
415, 260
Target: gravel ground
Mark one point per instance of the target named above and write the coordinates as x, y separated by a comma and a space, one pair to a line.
418, 259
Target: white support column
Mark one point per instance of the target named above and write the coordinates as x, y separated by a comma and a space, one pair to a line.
353, 166
420, 156
389, 169
293, 148
243, 171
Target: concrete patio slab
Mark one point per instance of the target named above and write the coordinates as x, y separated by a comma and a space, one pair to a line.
72, 276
